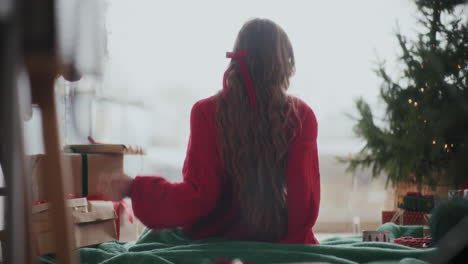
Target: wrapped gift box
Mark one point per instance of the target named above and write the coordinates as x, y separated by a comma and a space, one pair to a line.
405, 217
82, 172
414, 201
93, 224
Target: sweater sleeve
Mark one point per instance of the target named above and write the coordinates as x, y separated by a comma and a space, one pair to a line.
159, 203
303, 183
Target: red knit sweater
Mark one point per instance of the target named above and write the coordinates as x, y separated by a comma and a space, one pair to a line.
204, 208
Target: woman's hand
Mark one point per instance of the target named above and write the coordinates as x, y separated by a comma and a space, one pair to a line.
115, 186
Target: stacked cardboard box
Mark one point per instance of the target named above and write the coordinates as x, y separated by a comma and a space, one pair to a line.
93, 223
84, 167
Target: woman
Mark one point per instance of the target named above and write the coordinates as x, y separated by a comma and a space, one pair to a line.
251, 170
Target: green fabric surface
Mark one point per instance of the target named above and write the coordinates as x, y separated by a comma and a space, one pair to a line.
172, 246
397, 231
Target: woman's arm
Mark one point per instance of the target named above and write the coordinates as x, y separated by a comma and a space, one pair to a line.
159, 203
303, 183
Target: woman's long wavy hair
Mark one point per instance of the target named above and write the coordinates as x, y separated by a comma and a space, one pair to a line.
254, 142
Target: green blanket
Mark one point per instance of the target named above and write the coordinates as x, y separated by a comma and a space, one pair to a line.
172, 246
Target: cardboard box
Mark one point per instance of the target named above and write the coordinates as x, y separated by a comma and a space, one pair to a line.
80, 170
94, 223
72, 169
82, 175
130, 226
96, 148
104, 148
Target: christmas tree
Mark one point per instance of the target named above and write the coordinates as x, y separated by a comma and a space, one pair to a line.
424, 136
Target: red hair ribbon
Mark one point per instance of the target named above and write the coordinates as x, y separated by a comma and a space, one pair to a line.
239, 57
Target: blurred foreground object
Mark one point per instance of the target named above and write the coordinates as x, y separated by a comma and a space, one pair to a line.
449, 225
15, 238
31, 38
42, 63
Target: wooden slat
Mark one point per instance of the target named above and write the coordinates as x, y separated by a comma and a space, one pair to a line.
43, 70
15, 238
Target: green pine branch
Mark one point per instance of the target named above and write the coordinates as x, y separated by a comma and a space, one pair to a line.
424, 139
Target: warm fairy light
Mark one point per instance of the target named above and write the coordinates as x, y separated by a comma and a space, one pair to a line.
434, 142
425, 121
445, 146
410, 101
422, 66
459, 67
422, 90
451, 145
426, 84
437, 22
415, 104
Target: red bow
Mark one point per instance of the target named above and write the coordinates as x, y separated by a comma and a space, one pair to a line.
240, 58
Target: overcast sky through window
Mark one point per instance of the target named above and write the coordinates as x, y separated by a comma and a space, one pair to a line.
172, 53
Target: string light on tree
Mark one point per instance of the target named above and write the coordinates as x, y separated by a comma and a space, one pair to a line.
427, 101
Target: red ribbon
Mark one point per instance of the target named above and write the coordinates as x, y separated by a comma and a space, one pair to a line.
92, 141
40, 202
240, 58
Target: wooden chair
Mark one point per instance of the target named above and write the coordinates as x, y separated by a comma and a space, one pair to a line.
33, 28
